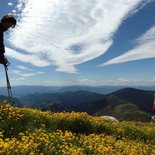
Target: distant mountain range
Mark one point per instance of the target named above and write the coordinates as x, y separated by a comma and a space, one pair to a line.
66, 99
124, 104
20, 91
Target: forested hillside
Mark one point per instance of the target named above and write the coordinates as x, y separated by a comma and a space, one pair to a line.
125, 104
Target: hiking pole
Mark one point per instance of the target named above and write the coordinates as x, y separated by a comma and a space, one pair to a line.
8, 82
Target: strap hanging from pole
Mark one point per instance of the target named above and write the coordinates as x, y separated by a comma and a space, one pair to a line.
8, 82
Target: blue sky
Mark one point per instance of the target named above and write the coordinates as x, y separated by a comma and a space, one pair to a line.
84, 42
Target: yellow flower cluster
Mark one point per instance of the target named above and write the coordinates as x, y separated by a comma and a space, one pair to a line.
101, 144
9, 112
71, 115
67, 143
35, 112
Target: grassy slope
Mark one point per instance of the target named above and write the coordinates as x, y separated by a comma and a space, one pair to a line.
28, 131
126, 111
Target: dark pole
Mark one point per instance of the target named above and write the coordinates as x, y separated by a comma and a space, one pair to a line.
8, 82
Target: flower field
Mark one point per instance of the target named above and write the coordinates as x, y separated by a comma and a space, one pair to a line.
25, 131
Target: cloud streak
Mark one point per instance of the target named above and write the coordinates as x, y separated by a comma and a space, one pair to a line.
50, 28
26, 72
25, 68
28, 58
110, 82
145, 49
20, 73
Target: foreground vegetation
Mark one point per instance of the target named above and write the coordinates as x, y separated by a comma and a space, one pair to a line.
28, 131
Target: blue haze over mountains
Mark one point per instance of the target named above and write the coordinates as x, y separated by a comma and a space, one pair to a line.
20, 91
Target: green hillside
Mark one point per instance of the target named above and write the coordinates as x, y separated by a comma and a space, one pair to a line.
126, 111
32, 132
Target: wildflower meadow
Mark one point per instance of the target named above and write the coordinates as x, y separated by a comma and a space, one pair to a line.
25, 131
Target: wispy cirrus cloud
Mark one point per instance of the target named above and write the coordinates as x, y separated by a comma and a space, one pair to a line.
122, 81
24, 71
24, 68
29, 58
50, 29
18, 72
145, 49
26, 74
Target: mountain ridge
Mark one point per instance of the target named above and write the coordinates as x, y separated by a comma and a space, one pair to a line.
123, 104
20, 91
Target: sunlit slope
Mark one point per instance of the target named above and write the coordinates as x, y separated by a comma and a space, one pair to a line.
29, 131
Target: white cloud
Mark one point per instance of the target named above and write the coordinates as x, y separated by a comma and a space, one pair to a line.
24, 68
25, 71
49, 28
148, 36
83, 80
14, 11
29, 58
40, 72
17, 72
18, 79
10, 4
145, 49
123, 81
